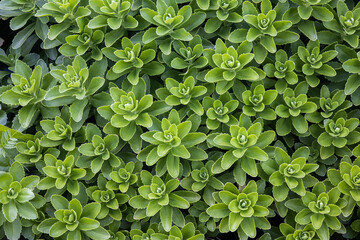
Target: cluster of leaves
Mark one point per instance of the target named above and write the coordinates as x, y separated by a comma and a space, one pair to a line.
180, 120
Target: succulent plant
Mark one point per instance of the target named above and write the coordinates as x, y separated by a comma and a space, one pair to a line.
185, 93
133, 59
186, 56
125, 177
244, 144
295, 103
65, 14
339, 132
73, 220
256, 100
347, 181
174, 140
264, 27
173, 23
320, 208
99, 153
129, 108
85, 40
346, 23
110, 201
229, 65
219, 111
60, 132
157, 196
352, 84
225, 12
293, 172
77, 83
329, 103
187, 232
240, 210
312, 62
31, 152
114, 14
307, 232
28, 91
315, 8
282, 70
16, 194
201, 177
61, 175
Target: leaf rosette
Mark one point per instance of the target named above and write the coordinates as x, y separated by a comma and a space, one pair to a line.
246, 142
61, 175
241, 210
174, 140
73, 220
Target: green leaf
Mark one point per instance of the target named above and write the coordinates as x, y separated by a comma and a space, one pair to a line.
27, 114
178, 202
283, 126
249, 166
17, 172
98, 233
98, 21
152, 208
305, 11
322, 13
10, 210
203, 4
27, 210
238, 35
149, 35
308, 28
268, 43
180, 151
59, 202
21, 37
317, 220
13, 229
303, 217
219, 210
91, 210
352, 66
280, 193
166, 217
276, 179
46, 224
77, 109
248, 226
97, 164
181, 34
234, 221
86, 224
191, 197
138, 202
300, 124
228, 160
16, 134
57, 229
212, 25
352, 84
256, 153
56, 29
286, 37
76, 235
29, 181
173, 165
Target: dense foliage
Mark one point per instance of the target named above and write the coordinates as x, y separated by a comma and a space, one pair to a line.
180, 119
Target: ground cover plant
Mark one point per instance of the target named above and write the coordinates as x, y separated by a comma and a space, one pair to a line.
179, 119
